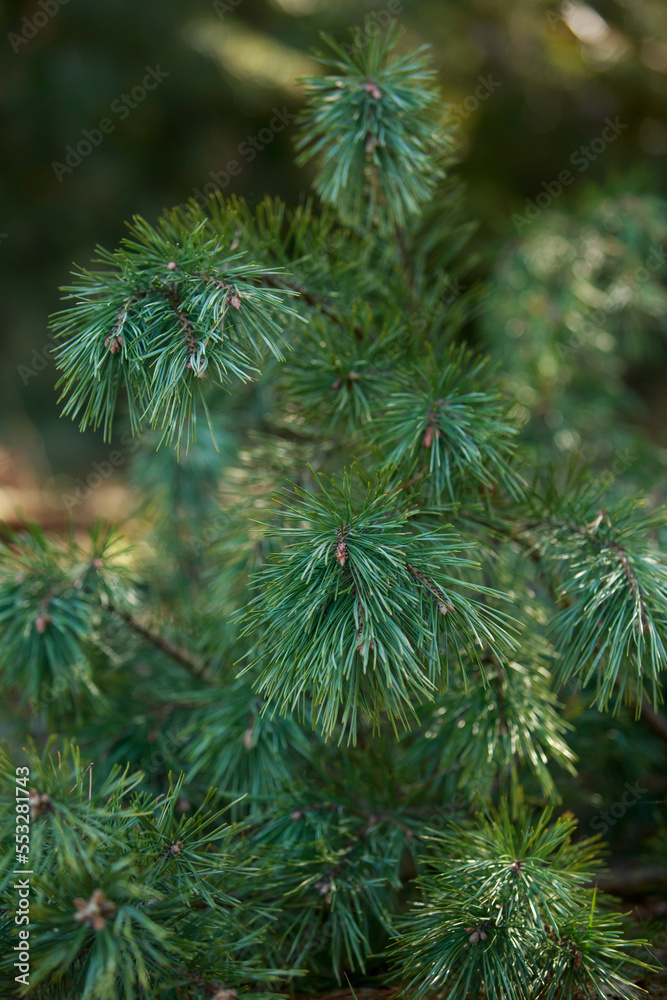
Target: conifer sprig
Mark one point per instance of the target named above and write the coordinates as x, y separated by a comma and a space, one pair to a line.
610, 578
488, 732
362, 608
445, 422
173, 311
128, 891
507, 913
373, 126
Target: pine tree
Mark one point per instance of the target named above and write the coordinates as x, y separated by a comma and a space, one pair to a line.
307, 727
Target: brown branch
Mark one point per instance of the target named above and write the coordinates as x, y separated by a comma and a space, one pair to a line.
169, 293
411, 482
313, 299
185, 657
444, 605
634, 881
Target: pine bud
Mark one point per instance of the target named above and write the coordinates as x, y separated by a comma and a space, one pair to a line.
39, 803
430, 434
114, 343
225, 995
249, 738
41, 621
172, 265
373, 89
176, 847
93, 912
341, 548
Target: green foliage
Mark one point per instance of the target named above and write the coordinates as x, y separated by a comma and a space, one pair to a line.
611, 581
373, 125
340, 662
362, 608
259, 754
443, 418
50, 591
490, 731
575, 304
174, 308
127, 891
507, 911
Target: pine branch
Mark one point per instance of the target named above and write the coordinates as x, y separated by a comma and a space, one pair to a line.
375, 128
194, 663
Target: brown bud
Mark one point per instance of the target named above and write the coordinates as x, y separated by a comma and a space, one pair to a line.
234, 300
93, 912
249, 738
114, 343
373, 89
427, 440
97, 563
41, 621
225, 995
172, 265
353, 376
341, 552
297, 814
39, 803
338, 384
176, 847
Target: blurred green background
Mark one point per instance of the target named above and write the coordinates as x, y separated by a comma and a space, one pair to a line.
554, 74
